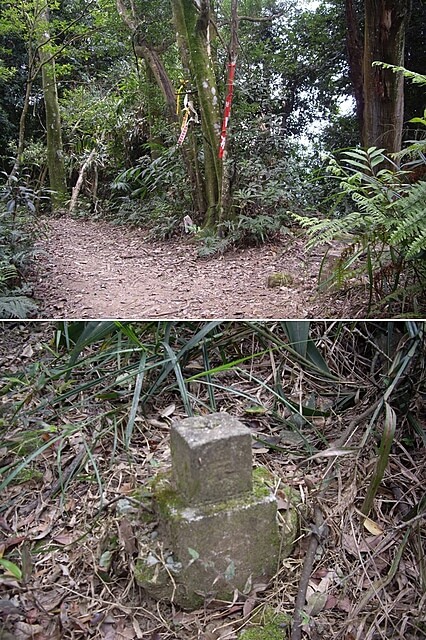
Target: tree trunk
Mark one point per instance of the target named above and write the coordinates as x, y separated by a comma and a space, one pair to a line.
355, 58
151, 58
55, 156
22, 126
192, 27
77, 188
225, 190
384, 39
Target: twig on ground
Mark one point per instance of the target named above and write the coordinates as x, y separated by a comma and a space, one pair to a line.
318, 531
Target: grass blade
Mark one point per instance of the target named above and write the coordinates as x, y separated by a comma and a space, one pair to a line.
135, 400
180, 380
382, 460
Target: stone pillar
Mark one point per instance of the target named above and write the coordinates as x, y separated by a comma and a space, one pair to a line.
211, 458
217, 524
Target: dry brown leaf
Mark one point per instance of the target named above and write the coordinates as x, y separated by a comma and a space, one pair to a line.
372, 527
168, 411
27, 352
127, 536
137, 629
65, 538
48, 600
25, 631
352, 546
249, 605
344, 604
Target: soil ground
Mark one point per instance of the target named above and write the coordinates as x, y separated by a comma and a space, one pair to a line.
94, 269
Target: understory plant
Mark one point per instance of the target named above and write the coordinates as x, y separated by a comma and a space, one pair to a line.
382, 234
153, 193
17, 227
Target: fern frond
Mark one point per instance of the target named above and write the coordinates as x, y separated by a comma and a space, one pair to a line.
416, 78
17, 307
409, 226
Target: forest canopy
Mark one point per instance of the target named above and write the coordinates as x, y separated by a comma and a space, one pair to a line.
147, 112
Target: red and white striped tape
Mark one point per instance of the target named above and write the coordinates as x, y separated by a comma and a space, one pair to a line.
227, 109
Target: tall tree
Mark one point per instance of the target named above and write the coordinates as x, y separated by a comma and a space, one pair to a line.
55, 156
193, 27
384, 40
379, 93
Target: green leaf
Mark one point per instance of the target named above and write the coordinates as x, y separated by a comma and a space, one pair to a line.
298, 334
105, 560
230, 571
136, 398
194, 554
11, 567
92, 332
180, 380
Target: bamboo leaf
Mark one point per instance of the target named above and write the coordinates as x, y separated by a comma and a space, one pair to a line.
180, 380
11, 568
382, 460
93, 332
136, 398
298, 334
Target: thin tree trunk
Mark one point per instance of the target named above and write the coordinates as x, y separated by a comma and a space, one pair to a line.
151, 57
22, 125
76, 190
384, 40
192, 26
55, 156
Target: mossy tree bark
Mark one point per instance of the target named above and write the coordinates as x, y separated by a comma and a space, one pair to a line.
55, 157
192, 21
148, 53
156, 72
384, 39
225, 211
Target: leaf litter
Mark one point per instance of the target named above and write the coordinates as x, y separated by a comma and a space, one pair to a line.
94, 269
76, 548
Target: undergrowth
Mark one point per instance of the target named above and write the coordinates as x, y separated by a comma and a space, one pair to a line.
18, 230
384, 231
86, 410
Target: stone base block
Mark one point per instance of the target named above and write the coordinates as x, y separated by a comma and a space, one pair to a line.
215, 548
226, 549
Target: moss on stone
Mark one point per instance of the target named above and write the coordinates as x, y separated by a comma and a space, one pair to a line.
272, 626
168, 502
182, 527
166, 499
280, 279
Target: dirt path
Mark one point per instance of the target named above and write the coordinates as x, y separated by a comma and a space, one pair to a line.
94, 269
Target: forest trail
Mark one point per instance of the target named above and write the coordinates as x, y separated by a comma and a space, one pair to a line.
94, 269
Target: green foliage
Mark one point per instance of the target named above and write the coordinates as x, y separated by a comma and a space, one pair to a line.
17, 233
384, 234
408, 227
156, 193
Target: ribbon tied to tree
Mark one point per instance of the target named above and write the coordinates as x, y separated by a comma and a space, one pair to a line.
189, 115
227, 109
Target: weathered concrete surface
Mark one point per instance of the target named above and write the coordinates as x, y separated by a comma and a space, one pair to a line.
211, 542
211, 458
224, 545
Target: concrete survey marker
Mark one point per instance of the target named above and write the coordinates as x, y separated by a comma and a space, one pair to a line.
211, 458
217, 519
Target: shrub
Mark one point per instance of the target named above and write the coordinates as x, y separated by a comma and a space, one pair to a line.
17, 232
384, 233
